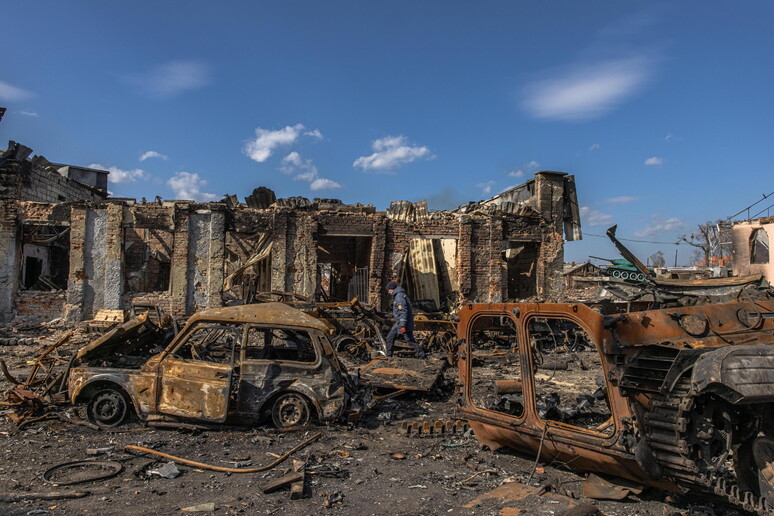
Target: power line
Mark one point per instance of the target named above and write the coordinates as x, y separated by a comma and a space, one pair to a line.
633, 240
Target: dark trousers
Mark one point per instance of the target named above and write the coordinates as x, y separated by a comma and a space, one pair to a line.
408, 336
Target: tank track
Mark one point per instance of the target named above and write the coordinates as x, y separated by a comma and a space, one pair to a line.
667, 424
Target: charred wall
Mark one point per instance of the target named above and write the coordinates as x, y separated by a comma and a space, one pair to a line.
178, 254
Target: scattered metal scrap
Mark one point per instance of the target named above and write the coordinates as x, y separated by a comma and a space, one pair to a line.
282, 458
79, 471
437, 428
514, 498
402, 373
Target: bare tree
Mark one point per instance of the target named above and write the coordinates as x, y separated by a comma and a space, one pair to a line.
657, 259
709, 240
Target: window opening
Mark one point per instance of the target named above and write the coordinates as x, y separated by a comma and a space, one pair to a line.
45, 259
279, 344
759, 246
521, 266
147, 259
496, 381
247, 265
214, 343
568, 375
343, 268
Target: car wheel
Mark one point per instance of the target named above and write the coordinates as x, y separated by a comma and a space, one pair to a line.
289, 410
108, 408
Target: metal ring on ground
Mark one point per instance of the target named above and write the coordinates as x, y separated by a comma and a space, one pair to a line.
113, 468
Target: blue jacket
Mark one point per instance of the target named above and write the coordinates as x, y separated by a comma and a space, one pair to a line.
401, 309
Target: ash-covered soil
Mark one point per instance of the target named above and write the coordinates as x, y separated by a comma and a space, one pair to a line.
367, 468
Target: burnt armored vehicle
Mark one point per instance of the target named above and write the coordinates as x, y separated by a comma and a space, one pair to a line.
246, 362
678, 398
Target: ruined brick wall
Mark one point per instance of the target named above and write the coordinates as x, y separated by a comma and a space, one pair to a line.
36, 306
193, 237
9, 281
43, 185
740, 239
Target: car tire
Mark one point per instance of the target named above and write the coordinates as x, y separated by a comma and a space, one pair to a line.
291, 410
108, 408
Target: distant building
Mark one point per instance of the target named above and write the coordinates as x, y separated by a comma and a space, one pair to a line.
751, 247
572, 271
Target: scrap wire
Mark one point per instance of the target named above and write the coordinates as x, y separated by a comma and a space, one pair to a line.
477, 474
537, 458
222, 469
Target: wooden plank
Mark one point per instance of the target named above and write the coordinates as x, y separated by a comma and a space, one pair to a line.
297, 490
279, 483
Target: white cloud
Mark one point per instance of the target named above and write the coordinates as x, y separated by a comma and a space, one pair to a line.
654, 161
172, 78
28, 113
586, 90
187, 185
153, 154
291, 163
119, 175
486, 188
306, 170
594, 146
529, 167
624, 199
267, 141
595, 218
323, 184
391, 152
658, 225
13, 94
314, 134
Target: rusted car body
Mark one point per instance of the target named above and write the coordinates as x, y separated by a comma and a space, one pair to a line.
238, 362
683, 396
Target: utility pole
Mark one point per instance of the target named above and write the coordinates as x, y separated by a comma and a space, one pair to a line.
676, 257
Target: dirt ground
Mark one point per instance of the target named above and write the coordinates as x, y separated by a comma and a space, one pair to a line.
362, 469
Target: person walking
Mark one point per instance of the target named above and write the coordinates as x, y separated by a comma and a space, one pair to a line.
404, 320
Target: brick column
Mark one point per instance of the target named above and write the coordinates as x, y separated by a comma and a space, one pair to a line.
178, 276
376, 265
114, 262
9, 271
465, 256
217, 257
279, 250
77, 275
496, 284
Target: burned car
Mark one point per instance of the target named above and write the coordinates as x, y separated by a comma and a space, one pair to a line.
678, 398
247, 362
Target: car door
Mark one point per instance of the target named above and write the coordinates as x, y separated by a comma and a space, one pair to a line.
274, 359
196, 374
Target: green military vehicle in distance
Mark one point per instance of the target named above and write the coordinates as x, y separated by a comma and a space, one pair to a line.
621, 268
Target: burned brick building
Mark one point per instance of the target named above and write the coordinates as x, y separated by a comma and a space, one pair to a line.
95, 252
751, 249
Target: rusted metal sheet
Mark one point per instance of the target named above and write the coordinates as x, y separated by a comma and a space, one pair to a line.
402, 373
683, 386
424, 273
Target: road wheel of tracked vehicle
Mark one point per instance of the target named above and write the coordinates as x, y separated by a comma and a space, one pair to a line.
108, 408
290, 410
624, 275
616, 273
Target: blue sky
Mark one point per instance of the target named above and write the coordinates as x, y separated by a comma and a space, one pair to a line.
662, 110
